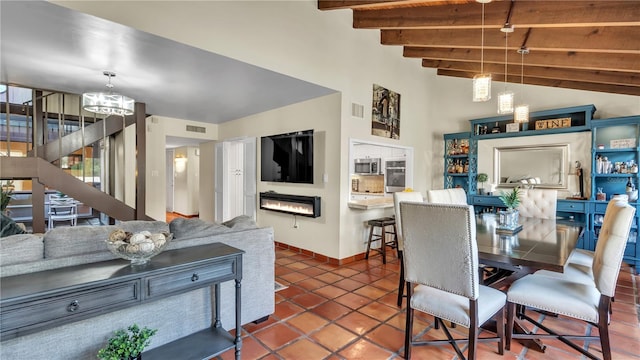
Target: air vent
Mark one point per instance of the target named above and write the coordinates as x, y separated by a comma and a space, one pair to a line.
357, 110
198, 129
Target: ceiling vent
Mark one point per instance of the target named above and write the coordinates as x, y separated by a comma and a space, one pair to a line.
198, 129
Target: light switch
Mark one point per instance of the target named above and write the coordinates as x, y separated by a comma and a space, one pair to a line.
325, 177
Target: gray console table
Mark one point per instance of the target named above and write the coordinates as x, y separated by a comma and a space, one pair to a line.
37, 301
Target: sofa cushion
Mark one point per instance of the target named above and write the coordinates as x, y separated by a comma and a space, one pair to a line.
195, 228
241, 222
135, 226
21, 248
75, 240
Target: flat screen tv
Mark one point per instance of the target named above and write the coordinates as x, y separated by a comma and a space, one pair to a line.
287, 157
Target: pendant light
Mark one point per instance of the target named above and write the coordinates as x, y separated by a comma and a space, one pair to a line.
521, 112
108, 103
505, 98
482, 81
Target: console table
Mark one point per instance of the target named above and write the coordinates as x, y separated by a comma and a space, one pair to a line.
37, 301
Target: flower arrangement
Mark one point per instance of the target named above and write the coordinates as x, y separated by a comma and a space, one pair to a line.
127, 344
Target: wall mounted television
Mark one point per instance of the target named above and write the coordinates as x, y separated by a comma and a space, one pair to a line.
287, 157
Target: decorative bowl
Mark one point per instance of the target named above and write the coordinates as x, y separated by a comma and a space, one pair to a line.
139, 247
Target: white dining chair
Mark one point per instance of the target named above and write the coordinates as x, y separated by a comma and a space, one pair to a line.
62, 208
441, 261
447, 196
538, 203
585, 301
398, 197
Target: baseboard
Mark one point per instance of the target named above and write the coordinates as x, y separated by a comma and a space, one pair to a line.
320, 257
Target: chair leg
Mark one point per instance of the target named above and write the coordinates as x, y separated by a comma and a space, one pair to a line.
473, 330
383, 244
511, 309
408, 332
500, 331
401, 283
603, 326
369, 242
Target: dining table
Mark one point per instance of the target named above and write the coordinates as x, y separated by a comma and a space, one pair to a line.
536, 244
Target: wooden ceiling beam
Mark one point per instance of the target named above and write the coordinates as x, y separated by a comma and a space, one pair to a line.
525, 14
497, 72
590, 39
382, 4
567, 59
615, 89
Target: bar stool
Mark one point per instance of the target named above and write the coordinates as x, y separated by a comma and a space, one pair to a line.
382, 223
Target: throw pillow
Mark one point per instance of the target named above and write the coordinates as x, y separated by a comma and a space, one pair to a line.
241, 222
194, 228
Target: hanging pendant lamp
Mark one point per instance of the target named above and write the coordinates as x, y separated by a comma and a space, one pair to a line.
521, 112
482, 81
108, 103
505, 98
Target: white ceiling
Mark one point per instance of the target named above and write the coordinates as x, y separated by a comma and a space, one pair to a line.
50, 47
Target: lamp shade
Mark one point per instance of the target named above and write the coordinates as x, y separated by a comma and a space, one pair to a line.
521, 113
107, 103
505, 102
482, 87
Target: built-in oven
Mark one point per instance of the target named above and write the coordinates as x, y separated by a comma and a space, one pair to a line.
368, 166
395, 175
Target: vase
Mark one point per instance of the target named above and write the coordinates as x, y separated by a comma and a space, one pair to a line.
508, 219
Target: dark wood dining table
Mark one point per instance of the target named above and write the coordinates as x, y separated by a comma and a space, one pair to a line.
540, 244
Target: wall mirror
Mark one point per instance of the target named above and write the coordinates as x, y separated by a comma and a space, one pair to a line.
540, 166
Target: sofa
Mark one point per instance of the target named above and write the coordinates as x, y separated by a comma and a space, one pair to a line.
174, 317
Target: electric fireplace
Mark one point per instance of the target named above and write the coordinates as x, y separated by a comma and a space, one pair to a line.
291, 204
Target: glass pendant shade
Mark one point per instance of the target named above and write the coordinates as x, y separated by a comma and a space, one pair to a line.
505, 102
521, 113
482, 87
107, 103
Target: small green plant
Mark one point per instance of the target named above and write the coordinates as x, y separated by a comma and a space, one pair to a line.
482, 178
6, 193
511, 199
127, 345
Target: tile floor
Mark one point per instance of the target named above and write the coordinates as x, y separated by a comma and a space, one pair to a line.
349, 312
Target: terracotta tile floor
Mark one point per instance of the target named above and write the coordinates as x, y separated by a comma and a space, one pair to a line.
350, 312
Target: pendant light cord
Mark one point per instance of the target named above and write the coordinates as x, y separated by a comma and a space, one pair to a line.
506, 44
482, 44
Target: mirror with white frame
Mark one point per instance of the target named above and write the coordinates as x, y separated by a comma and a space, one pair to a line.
541, 166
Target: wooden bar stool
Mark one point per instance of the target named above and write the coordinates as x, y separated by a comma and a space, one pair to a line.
382, 223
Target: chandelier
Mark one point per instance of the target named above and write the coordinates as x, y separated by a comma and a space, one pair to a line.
505, 98
108, 103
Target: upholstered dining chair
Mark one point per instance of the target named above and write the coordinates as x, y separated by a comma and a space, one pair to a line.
398, 197
441, 260
538, 203
447, 196
582, 301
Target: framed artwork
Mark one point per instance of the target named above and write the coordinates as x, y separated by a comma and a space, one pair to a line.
385, 116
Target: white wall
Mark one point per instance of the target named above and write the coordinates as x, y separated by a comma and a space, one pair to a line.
295, 38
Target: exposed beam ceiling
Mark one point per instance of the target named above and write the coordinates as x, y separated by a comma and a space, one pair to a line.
576, 44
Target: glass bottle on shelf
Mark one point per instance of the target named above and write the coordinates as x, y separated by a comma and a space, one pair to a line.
630, 185
601, 196
496, 129
466, 166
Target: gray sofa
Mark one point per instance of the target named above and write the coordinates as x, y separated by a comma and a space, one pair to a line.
174, 317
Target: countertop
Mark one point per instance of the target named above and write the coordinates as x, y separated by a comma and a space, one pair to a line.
367, 204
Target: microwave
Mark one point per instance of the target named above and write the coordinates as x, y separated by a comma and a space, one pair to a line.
369, 166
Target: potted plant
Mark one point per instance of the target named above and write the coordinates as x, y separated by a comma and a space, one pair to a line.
509, 219
6, 193
127, 344
482, 178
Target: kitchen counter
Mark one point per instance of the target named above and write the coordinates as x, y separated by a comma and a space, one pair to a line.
367, 204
